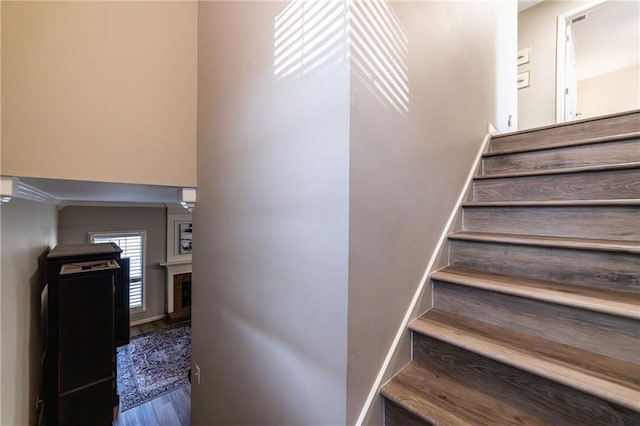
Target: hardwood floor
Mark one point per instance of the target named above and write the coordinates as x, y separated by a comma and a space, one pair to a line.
149, 327
171, 409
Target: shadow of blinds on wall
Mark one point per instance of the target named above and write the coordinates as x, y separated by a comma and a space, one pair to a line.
379, 49
132, 245
309, 36
317, 35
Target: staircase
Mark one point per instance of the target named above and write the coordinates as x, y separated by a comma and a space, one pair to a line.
536, 319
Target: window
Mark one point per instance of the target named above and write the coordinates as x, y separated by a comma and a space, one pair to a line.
132, 245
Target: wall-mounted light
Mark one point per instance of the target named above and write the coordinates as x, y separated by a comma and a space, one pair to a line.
187, 198
7, 188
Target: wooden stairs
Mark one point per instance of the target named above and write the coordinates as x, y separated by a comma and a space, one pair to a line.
536, 319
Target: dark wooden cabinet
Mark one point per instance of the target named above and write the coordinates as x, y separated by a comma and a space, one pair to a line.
87, 316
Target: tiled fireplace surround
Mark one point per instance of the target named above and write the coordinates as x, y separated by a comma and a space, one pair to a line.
177, 274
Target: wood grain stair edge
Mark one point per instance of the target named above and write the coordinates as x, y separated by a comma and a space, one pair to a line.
569, 144
560, 171
438, 399
431, 325
569, 123
556, 203
599, 300
555, 242
426, 410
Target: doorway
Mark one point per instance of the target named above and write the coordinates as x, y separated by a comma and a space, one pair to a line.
597, 65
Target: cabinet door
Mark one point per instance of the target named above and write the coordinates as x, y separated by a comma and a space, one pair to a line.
122, 303
87, 406
86, 336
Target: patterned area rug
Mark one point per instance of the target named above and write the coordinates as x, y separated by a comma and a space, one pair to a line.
153, 364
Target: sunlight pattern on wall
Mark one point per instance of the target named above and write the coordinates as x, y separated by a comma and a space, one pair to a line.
378, 50
309, 34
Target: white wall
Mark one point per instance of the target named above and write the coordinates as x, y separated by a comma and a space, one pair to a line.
270, 325
27, 232
537, 30
408, 169
612, 92
100, 91
288, 166
506, 71
74, 222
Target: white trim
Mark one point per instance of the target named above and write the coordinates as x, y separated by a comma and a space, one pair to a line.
147, 320
65, 203
13, 187
184, 262
425, 278
561, 53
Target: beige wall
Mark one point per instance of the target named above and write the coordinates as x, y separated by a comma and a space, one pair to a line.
100, 91
407, 170
270, 326
74, 223
27, 231
287, 168
613, 92
537, 28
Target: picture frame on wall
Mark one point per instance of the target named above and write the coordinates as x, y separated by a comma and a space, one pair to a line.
524, 56
186, 234
179, 235
523, 80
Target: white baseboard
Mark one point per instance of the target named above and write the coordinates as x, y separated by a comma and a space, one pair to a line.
146, 320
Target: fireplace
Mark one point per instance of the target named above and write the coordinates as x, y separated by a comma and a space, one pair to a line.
181, 290
178, 291
186, 293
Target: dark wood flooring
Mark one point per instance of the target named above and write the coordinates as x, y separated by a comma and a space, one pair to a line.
172, 409
149, 327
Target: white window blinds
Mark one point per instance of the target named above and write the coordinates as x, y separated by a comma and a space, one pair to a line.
132, 245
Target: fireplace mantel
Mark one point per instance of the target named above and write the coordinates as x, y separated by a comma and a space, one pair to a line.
174, 268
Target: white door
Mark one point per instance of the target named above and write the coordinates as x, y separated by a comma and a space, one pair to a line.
571, 80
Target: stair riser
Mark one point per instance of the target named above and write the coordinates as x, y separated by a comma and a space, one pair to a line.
607, 185
601, 154
559, 136
548, 400
563, 324
614, 271
394, 415
578, 222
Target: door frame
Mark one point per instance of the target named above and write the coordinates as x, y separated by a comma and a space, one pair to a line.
561, 52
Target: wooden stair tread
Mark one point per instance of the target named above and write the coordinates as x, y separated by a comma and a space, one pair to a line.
594, 299
608, 378
560, 171
580, 142
557, 242
568, 123
441, 400
556, 203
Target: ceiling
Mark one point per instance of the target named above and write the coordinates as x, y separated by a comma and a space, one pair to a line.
608, 39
